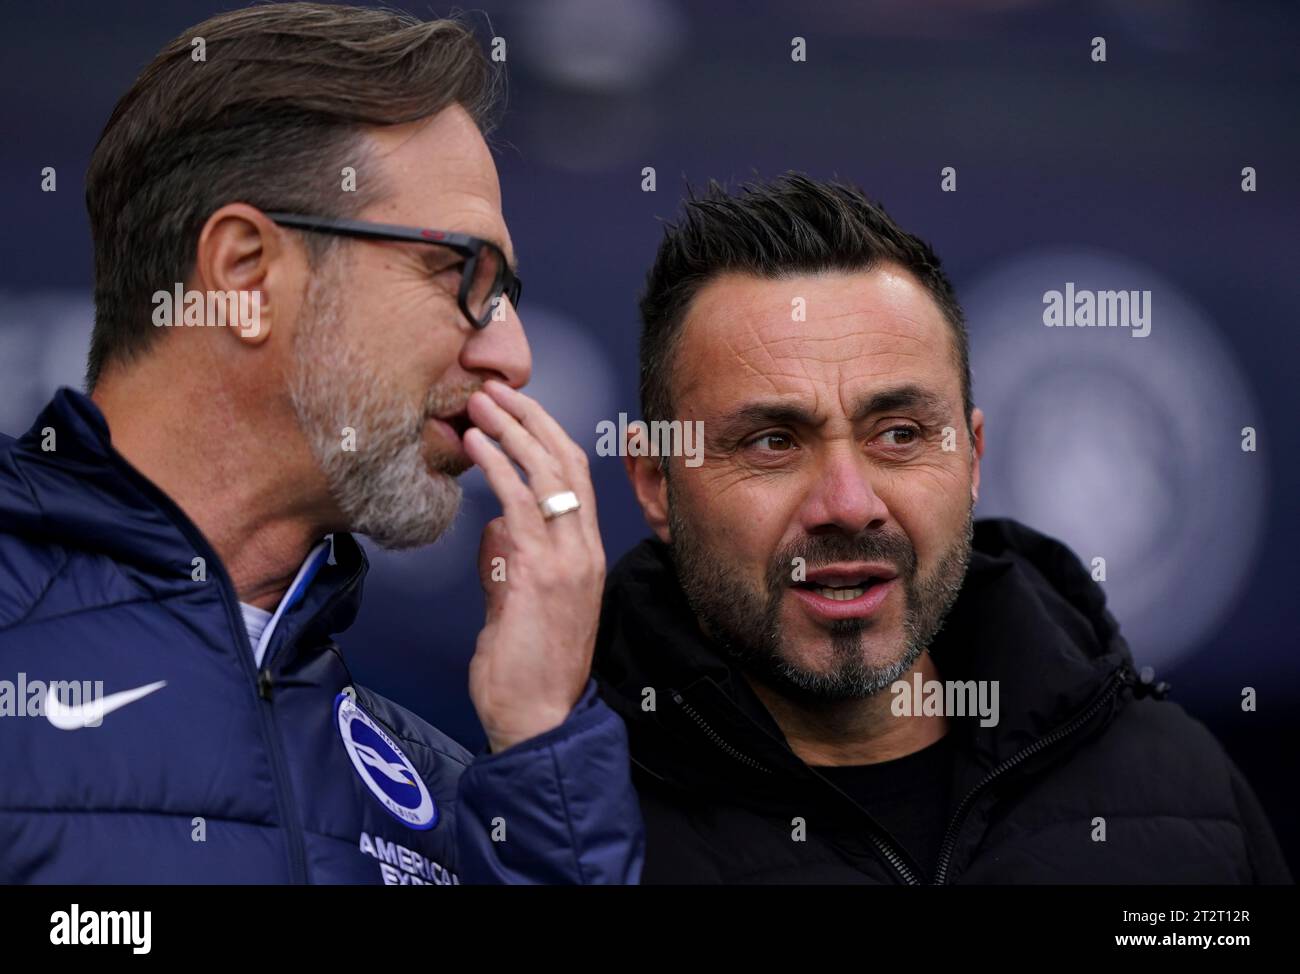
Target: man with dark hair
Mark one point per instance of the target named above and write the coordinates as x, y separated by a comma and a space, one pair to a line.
305, 325
829, 671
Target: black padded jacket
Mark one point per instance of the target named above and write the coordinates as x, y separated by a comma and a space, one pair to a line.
1081, 737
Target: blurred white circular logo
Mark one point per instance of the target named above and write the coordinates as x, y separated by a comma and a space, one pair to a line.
1126, 448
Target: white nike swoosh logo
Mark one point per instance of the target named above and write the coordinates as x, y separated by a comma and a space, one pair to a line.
92, 714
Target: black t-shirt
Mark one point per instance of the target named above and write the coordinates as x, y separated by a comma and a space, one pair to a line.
908, 796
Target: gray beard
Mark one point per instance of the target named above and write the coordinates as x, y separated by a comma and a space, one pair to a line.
745, 623
384, 487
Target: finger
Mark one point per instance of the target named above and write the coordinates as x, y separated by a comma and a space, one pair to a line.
546, 473
537, 421
523, 518
547, 476
493, 563
551, 434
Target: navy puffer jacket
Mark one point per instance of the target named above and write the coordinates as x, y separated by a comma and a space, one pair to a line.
192, 765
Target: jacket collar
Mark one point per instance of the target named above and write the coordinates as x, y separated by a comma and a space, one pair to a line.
63, 483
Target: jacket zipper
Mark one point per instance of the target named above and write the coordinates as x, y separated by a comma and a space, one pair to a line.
886, 849
1117, 681
265, 683
279, 768
285, 804
712, 735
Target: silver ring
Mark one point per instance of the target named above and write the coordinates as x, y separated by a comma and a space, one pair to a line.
559, 504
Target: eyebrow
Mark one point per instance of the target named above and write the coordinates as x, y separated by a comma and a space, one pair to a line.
512, 260
907, 398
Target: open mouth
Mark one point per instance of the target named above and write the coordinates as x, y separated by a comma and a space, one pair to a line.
459, 422
845, 591
451, 431
841, 593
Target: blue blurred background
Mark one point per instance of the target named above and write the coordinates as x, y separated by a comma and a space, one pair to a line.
1123, 174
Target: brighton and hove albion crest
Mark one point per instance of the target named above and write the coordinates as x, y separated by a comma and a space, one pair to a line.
383, 767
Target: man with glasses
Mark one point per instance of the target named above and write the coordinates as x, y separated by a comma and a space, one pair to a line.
175, 548
485, 274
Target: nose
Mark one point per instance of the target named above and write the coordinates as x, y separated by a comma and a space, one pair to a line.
500, 351
841, 497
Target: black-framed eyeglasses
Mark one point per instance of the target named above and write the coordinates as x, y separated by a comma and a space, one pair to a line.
485, 277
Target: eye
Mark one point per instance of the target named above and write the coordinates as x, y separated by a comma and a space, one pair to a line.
444, 267
776, 442
453, 270
910, 435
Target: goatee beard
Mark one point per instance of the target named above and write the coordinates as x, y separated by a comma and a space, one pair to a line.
746, 623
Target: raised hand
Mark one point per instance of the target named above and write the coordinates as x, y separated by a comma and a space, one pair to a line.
533, 656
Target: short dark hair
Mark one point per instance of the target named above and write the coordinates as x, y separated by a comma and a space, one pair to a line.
790, 225
268, 117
